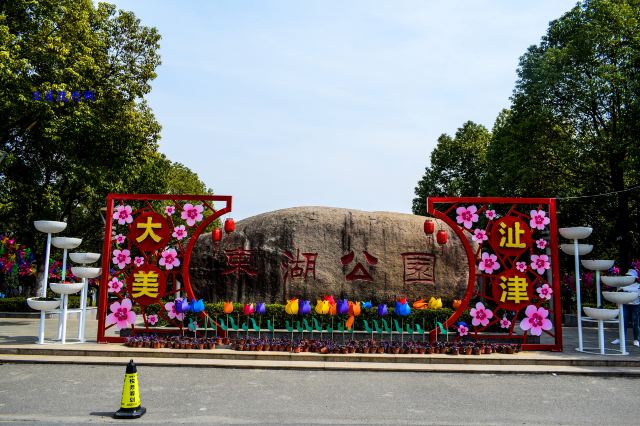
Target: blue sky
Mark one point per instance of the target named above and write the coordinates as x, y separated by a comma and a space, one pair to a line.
329, 103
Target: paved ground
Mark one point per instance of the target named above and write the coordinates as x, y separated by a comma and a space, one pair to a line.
90, 394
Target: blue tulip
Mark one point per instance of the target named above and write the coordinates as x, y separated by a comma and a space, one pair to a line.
196, 306
261, 308
366, 305
402, 308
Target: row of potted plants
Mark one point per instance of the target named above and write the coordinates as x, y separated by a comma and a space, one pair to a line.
175, 342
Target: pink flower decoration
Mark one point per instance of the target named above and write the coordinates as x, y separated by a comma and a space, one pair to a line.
521, 266
536, 320
480, 315
121, 314
467, 215
123, 215
192, 214
121, 258
171, 311
541, 244
138, 261
179, 232
479, 235
488, 263
538, 219
169, 259
505, 323
169, 210
540, 263
490, 214
115, 285
463, 330
120, 239
545, 292
152, 319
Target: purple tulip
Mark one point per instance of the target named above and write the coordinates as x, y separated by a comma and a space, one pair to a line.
382, 310
261, 308
304, 307
181, 305
342, 307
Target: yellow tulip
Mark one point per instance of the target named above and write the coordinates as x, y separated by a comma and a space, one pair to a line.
435, 303
322, 307
292, 307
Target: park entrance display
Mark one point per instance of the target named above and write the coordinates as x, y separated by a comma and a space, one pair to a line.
494, 260
148, 257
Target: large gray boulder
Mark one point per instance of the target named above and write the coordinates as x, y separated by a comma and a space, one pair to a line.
359, 255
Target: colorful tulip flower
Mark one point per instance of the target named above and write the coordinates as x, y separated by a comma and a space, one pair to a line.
322, 307
248, 309
196, 306
291, 307
402, 307
366, 305
456, 303
382, 310
304, 307
261, 308
354, 309
420, 304
227, 307
435, 303
342, 307
181, 305
330, 299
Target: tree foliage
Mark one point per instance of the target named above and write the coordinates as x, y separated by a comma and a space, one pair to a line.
456, 167
65, 157
573, 125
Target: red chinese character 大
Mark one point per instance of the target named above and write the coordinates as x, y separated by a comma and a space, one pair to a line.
292, 268
358, 272
239, 260
419, 268
150, 231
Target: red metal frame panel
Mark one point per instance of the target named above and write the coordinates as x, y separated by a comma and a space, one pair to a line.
184, 253
446, 213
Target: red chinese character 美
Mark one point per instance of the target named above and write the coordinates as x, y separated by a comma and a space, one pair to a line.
419, 268
358, 272
239, 260
292, 268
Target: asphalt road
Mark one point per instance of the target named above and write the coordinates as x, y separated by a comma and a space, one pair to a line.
40, 393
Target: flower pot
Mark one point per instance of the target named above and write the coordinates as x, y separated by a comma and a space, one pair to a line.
218, 340
395, 351
476, 350
468, 350
365, 350
324, 350
380, 350
200, 345
297, 349
225, 341
266, 347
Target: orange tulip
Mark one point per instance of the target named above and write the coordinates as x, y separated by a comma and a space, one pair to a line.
227, 307
354, 309
456, 303
420, 304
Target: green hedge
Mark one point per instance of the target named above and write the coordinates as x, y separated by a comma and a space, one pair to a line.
19, 304
276, 313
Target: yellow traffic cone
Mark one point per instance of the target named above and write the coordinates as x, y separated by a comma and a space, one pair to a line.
130, 406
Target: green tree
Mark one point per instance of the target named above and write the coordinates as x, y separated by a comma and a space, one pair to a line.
182, 180
65, 156
457, 166
573, 125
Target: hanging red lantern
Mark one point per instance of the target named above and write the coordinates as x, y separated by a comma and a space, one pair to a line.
442, 237
216, 235
229, 225
429, 226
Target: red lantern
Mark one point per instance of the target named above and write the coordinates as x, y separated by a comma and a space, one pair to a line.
216, 234
229, 226
442, 237
429, 226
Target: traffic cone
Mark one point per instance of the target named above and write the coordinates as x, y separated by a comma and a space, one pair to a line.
130, 407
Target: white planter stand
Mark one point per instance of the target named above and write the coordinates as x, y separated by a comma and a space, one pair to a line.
85, 273
65, 243
49, 227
